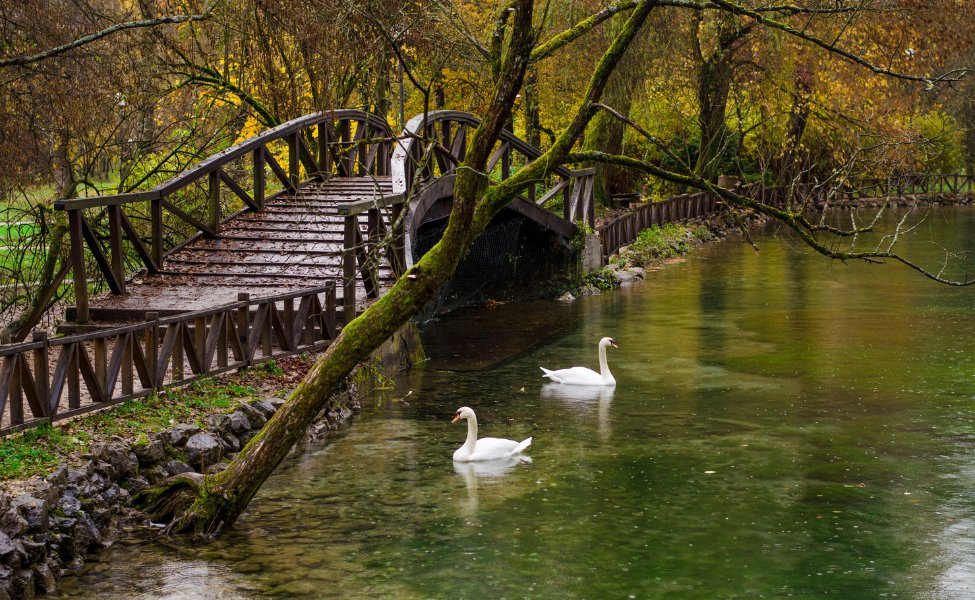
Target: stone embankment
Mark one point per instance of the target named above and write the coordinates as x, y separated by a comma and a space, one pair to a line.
50, 524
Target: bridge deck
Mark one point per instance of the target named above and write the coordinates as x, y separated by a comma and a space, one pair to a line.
295, 242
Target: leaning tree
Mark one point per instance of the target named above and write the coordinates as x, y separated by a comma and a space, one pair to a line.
206, 504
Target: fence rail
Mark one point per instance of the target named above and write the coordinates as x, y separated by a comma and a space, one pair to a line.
625, 228
49, 379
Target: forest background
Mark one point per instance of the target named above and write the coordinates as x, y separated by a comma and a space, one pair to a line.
110, 96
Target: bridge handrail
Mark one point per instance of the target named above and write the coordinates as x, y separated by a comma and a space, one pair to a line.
114, 365
201, 169
449, 152
338, 152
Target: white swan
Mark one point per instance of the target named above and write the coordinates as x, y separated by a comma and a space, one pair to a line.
584, 376
485, 448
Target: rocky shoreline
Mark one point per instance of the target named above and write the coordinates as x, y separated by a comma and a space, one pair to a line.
49, 526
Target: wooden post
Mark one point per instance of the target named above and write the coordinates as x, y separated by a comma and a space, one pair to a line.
348, 269
101, 368
152, 349
16, 393
157, 233
345, 133
128, 339
267, 340
294, 165
213, 201
324, 156
74, 385
289, 324
372, 229
78, 267
243, 323
224, 324
42, 372
590, 200
115, 241
200, 343
259, 181
178, 351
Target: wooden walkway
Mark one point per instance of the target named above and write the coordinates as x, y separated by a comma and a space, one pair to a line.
295, 242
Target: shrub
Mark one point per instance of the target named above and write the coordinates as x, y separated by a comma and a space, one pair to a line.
603, 279
658, 242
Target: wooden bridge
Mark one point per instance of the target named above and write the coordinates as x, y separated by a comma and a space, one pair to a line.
263, 250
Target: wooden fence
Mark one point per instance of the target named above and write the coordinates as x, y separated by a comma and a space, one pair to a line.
67, 376
624, 229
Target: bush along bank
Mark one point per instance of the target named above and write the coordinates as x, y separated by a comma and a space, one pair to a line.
659, 245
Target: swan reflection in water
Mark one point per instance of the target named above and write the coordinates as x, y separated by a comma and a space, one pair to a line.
485, 472
580, 397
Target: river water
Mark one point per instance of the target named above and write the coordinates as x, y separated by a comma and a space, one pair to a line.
782, 427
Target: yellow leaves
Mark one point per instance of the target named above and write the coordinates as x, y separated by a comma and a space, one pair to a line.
251, 128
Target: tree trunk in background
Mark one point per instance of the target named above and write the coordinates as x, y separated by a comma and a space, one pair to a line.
533, 122
967, 118
713, 88
716, 45
789, 164
62, 171
605, 134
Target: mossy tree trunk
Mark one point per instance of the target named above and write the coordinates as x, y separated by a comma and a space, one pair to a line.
205, 505
716, 46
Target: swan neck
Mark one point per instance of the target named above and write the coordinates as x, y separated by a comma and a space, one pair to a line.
603, 364
471, 434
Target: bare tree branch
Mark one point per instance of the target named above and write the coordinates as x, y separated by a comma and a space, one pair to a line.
87, 39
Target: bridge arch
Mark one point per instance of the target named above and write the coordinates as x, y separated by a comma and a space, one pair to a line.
423, 167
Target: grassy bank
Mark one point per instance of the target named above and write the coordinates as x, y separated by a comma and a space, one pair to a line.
39, 450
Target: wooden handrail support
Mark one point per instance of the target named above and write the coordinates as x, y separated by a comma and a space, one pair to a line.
340, 152
115, 365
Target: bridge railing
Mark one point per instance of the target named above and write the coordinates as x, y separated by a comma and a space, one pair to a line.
128, 232
68, 376
435, 144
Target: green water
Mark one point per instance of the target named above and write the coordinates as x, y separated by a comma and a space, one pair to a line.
782, 427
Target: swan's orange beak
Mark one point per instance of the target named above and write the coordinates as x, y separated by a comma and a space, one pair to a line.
456, 418
613, 344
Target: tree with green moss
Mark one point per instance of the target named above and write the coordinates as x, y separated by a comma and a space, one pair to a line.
204, 505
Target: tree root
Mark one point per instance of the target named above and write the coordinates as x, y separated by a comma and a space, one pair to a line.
185, 504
